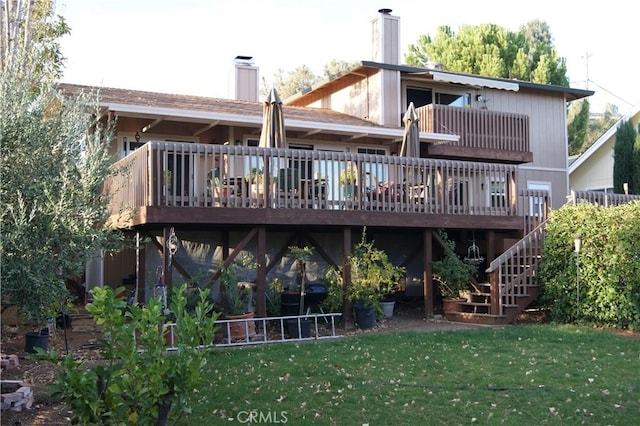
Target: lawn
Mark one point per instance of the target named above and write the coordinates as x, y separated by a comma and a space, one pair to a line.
530, 374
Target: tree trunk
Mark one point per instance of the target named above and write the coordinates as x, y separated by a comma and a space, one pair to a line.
164, 409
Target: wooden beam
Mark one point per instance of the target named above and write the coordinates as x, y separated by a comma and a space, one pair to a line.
427, 277
346, 273
176, 264
321, 251
261, 276
228, 260
283, 250
203, 129
151, 125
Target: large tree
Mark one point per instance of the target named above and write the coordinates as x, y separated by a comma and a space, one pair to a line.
30, 37
624, 168
53, 161
578, 119
494, 51
302, 78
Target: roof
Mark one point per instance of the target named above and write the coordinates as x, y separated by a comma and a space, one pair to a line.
217, 111
603, 139
368, 68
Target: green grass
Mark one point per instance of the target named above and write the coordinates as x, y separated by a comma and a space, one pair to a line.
518, 375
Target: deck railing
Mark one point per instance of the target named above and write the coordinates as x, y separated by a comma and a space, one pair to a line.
477, 128
220, 176
603, 199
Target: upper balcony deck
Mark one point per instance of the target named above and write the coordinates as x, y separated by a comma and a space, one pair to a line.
166, 182
484, 134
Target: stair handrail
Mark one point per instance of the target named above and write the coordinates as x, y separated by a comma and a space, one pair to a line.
501, 290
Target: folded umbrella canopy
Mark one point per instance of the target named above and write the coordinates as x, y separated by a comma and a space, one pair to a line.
411, 139
273, 134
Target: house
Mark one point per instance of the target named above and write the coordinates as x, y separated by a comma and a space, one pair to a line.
593, 169
196, 191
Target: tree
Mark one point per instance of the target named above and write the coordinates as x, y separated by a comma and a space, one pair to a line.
30, 37
623, 156
298, 80
578, 123
302, 78
336, 68
598, 125
635, 180
54, 160
494, 51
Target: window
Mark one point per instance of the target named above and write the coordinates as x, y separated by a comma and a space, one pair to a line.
424, 96
537, 205
129, 145
498, 193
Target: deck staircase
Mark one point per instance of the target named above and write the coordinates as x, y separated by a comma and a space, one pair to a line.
512, 284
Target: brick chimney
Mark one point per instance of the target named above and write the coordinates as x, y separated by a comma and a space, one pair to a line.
245, 79
385, 38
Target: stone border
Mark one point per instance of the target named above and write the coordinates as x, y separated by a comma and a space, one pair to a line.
21, 398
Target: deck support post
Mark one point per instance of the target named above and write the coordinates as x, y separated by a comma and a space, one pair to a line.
427, 278
261, 304
346, 272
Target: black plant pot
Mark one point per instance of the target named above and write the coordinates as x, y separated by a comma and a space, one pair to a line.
365, 315
34, 339
302, 332
289, 303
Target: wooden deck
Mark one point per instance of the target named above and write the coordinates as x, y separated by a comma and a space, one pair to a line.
182, 183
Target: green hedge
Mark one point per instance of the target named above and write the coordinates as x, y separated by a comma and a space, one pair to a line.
607, 268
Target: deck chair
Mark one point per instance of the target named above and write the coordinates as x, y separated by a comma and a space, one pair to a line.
288, 186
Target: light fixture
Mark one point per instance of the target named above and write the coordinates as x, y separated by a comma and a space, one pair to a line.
172, 243
577, 243
137, 136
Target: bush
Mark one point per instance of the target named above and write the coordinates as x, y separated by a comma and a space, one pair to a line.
139, 382
607, 269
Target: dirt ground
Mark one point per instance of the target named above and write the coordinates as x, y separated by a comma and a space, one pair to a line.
81, 339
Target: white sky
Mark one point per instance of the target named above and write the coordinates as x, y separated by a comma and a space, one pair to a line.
188, 46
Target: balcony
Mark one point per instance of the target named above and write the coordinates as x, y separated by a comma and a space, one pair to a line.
485, 135
173, 177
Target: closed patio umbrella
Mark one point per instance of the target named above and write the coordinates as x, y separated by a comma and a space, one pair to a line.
272, 134
411, 147
411, 139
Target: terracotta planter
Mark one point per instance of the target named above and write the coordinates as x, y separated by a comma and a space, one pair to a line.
452, 305
240, 330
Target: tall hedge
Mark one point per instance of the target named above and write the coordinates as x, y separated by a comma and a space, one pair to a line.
607, 269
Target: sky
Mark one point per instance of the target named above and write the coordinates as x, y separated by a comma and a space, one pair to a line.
188, 46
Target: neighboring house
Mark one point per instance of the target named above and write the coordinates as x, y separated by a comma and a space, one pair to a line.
593, 169
493, 157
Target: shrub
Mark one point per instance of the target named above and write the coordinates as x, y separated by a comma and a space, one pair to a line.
139, 382
602, 285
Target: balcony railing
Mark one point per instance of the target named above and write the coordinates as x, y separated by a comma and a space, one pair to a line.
219, 176
604, 199
478, 128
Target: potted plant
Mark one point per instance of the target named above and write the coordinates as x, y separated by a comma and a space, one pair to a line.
372, 276
300, 327
255, 179
236, 298
452, 276
41, 306
215, 186
348, 180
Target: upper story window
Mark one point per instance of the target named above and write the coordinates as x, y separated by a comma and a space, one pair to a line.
423, 96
